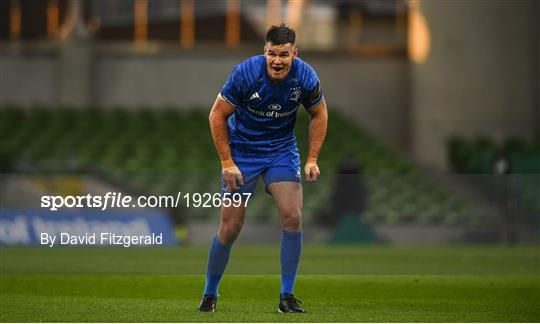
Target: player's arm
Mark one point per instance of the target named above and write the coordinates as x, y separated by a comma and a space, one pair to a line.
317, 132
221, 111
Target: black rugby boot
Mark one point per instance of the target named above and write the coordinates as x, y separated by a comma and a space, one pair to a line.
289, 304
208, 304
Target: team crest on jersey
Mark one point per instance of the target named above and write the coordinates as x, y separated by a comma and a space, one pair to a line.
295, 95
275, 107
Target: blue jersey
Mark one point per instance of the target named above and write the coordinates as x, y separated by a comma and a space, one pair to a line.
265, 115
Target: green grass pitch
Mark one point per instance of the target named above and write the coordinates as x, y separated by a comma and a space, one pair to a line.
337, 284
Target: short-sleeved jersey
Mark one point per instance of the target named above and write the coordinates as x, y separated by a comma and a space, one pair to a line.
265, 115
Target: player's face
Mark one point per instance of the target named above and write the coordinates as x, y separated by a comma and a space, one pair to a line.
279, 59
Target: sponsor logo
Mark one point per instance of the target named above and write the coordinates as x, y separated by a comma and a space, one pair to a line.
274, 107
273, 114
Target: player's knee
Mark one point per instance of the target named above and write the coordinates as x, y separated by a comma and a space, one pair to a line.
229, 231
292, 220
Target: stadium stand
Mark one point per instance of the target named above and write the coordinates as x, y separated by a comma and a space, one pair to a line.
163, 151
479, 155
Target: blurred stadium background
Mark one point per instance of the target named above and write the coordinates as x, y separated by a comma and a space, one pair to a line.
434, 132
434, 139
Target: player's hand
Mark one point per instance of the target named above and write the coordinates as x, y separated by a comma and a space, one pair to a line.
312, 170
231, 174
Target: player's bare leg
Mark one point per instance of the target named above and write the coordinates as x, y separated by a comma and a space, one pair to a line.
232, 219
230, 224
289, 200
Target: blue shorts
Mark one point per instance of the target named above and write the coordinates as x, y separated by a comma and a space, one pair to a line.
285, 166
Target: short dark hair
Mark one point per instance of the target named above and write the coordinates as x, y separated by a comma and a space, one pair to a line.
279, 35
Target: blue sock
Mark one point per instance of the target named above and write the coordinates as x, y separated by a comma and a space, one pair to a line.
291, 247
218, 257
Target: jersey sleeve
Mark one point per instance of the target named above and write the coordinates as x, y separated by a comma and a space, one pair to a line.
314, 94
232, 90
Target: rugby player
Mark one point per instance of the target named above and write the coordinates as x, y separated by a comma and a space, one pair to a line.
252, 124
